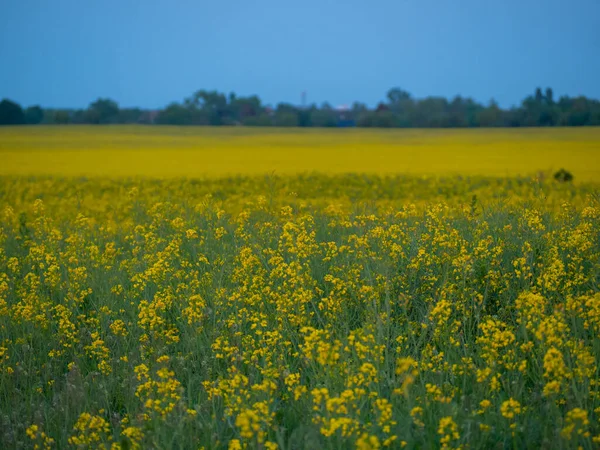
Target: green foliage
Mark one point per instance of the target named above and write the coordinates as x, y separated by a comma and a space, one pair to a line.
34, 115
377, 119
11, 113
286, 119
323, 118
563, 176
263, 120
175, 114
102, 111
400, 110
61, 117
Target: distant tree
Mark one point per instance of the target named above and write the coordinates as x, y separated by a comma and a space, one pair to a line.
213, 106
365, 119
263, 120
48, 116
540, 110
358, 108
286, 115
576, 111
470, 109
490, 116
304, 116
539, 97
103, 111
129, 115
514, 117
457, 113
286, 108
79, 116
241, 108
403, 106
91, 116
398, 99
548, 116
323, 118
11, 113
430, 112
61, 117
384, 119
549, 96
595, 113
34, 115
286, 119
175, 114
148, 117
377, 119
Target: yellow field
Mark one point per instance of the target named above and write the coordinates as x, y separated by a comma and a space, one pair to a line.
382, 290
214, 152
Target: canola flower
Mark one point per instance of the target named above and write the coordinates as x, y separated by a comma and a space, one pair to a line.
145, 313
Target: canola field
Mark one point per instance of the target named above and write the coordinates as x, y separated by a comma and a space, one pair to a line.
401, 289
191, 152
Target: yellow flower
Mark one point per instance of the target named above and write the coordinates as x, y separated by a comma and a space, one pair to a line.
234, 444
576, 422
368, 442
448, 430
89, 430
510, 408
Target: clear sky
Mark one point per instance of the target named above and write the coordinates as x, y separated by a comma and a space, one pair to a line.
66, 53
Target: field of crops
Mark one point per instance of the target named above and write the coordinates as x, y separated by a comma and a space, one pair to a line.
162, 152
181, 288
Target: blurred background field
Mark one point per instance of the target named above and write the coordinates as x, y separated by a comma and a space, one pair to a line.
190, 152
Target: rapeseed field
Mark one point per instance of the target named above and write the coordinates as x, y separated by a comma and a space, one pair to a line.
352, 305
192, 152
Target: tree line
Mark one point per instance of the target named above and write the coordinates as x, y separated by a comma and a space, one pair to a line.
398, 110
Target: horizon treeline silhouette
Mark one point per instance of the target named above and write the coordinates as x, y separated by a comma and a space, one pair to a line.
398, 110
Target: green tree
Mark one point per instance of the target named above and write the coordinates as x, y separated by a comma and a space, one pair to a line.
102, 111
175, 114
61, 117
34, 115
358, 108
262, 120
212, 105
398, 100
11, 113
286, 108
323, 118
576, 111
129, 115
490, 116
242, 108
539, 97
377, 119
286, 119
549, 96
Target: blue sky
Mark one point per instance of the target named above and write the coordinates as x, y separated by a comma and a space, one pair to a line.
67, 53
